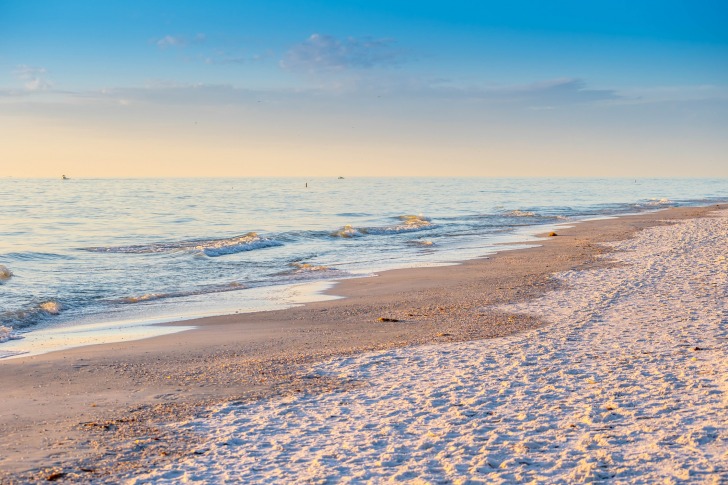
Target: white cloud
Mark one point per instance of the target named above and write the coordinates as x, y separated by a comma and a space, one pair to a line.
34, 78
324, 52
179, 40
170, 41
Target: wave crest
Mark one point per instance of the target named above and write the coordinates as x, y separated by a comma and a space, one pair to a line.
248, 242
232, 286
51, 307
7, 333
415, 221
5, 273
658, 202
147, 297
307, 267
520, 213
409, 223
29, 316
348, 231
209, 247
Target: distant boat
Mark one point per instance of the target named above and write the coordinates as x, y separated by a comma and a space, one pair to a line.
63, 177
341, 178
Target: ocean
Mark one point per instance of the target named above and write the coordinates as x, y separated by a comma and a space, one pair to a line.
132, 251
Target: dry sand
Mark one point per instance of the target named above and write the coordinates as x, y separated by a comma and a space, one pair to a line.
627, 384
92, 412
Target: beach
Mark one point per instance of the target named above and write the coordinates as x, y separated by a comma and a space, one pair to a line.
496, 369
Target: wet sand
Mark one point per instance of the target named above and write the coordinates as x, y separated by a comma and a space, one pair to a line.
86, 413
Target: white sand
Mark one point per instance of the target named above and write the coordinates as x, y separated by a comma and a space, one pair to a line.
629, 383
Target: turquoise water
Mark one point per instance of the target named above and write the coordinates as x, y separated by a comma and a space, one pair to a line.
84, 250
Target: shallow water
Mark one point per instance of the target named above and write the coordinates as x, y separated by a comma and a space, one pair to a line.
86, 251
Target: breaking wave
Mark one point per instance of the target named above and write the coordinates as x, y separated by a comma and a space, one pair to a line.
7, 333
421, 243
233, 286
30, 316
301, 271
307, 268
658, 202
51, 307
349, 231
233, 245
409, 223
36, 256
5, 273
520, 213
146, 297
537, 217
209, 247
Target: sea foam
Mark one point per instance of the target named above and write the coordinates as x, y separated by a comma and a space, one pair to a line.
248, 242
409, 223
658, 202
307, 267
51, 307
520, 213
5, 273
208, 247
7, 333
145, 297
150, 297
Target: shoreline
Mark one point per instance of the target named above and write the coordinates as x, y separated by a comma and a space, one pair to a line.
248, 356
126, 328
88, 331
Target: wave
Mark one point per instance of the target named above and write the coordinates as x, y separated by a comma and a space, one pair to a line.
146, 297
520, 213
658, 202
248, 242
308, 268
5, 273
301, 271
7, 333
36, 256
51, 307
233, 286
208, 247
30, 316
409, 223
349, 231
421, 243
533, 214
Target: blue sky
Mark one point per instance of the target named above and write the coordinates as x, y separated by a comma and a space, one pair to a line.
247, 88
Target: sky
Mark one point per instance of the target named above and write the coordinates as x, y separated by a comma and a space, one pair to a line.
363, 88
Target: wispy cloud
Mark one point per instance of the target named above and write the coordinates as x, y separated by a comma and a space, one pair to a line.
538, 95
34, 78
545, 94
555, 94
225, 57
211, 50
552, 92
179, 40
326, 53
176, 94
656, 94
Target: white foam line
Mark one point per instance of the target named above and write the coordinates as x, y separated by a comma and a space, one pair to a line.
628, 384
